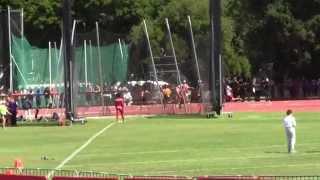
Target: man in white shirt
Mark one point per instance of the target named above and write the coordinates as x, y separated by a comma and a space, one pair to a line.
289, 123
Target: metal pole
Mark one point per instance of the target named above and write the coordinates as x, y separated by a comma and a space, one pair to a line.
175, 61
221, 82
91, 56
50, 69
56, 49
73, 31
60, 51
100, 64
173, 50
56, 63
20, 72
68, 58
10, 51
215, 51
85, 62
22, 23
152, 59
120, 47
195, 56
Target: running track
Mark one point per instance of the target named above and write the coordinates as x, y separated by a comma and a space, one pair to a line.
251, 106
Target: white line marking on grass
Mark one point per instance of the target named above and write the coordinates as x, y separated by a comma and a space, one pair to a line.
79, 149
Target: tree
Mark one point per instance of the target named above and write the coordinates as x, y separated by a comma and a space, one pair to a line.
281, 32
41, 19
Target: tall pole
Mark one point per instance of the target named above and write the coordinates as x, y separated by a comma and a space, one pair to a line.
175, 60
10, 51
100, 64
220, 82
195, 56
85, 63
60, 51
91, 58
152, 59
120, 47
22, 23
68, 58
215, 52
73, 31
50, 68
58, 63
173, 50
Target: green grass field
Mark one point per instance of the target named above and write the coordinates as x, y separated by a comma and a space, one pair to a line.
247, 144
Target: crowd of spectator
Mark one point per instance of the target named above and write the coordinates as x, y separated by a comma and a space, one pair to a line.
242, 89
148, 92
134, 93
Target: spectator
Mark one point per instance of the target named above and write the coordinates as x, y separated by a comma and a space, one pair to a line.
38, 98
127, 97
3, 113
166, 94
12, 108
46, 93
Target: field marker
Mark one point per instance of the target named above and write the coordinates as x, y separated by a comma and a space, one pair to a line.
79, 149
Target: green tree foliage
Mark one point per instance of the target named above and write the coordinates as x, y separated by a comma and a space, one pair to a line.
43, 20
282, 32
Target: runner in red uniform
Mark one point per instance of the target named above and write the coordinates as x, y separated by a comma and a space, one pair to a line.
119, 105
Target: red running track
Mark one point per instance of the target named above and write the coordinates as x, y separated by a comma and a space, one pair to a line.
251, 106
274, 106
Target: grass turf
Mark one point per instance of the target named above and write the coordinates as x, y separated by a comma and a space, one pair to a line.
247, 144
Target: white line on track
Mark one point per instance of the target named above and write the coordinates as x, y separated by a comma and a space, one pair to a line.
80, 149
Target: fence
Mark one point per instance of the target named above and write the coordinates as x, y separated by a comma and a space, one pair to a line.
41, 174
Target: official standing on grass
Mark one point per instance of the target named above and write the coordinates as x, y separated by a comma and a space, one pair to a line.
289, 123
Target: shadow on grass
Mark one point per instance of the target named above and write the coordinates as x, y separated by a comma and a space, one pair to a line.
37, 124
312, 152
42, 123
184, 116
276, 152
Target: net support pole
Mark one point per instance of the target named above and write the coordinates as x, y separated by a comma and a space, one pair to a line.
19, 70
120, 47
58, 70
221, 82
56, 65
152, 59
60, 52
68, 58
175, 60
73, 31
85, 63
22, 23
100, 64
215, 52
195, 56
50, 67
10, 51
91, 56
173, 50
56, 50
